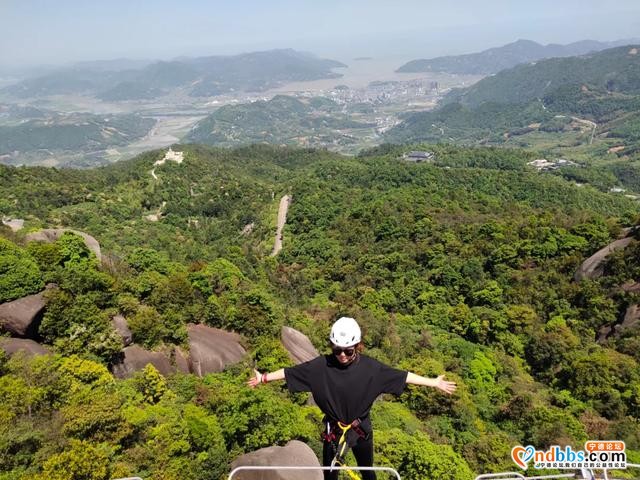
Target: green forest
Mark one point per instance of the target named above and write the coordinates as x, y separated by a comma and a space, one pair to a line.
464, 267
583, 107
283, 120
615, 69
73, 132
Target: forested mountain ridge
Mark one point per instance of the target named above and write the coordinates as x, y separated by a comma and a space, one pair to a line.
615, 70
465, 266
588, 102
494, 60
281, 120
202, 76
71, 133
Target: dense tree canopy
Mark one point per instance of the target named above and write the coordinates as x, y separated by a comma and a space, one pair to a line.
465, 267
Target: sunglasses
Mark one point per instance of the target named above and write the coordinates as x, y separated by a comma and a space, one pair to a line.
347, 351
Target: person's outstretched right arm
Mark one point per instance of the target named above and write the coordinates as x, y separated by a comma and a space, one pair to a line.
259, 378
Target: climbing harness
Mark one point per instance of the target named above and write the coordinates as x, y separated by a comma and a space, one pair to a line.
341, 445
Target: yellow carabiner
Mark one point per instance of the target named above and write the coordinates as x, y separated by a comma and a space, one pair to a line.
343, 438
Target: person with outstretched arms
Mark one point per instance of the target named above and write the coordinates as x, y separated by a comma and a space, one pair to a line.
344, 385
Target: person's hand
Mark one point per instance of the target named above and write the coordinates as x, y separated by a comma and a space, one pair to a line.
254, 381
445, 386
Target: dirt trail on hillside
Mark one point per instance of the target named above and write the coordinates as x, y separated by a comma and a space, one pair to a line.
282, 219
593, 126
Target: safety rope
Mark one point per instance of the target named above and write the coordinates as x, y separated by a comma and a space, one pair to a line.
338, 459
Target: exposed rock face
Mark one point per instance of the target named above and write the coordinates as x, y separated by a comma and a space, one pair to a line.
29, 347
15, 224
631, 287
120, 325
136, 358
50, 235
631, 320
604, 333
22, 317
181, 360
212, 349
294, 453
593, 267
298, 345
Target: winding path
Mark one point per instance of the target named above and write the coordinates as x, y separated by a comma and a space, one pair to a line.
282, 219
593, 125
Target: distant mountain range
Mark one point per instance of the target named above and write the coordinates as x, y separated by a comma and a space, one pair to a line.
202, 76
494, 60
612, 70
600, 90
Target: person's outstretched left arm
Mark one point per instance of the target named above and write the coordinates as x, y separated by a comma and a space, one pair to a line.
439, 382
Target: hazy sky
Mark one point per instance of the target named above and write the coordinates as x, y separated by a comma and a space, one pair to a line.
55, 31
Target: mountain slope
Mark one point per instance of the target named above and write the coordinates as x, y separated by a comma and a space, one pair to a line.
613, 70
203, 76
76, 134
465, 269
494, 60
587, 102
281, 120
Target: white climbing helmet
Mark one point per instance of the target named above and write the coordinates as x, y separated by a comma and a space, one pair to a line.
345, 332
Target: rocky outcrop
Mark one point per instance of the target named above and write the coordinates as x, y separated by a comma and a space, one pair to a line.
135, 358
593, 267
297, 344
631, 287
604, 333
631, 320
15, 224
212, 349
181, 360
29, 347
120, 325
50, 235
294, 453
22, 317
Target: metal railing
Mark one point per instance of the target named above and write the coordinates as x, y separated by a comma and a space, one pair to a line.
484, 476
520, 476
558, 475
501, 476
289, 467
632, 465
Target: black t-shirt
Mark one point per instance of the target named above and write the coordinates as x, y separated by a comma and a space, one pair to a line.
345, 393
